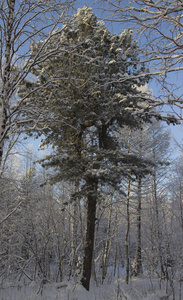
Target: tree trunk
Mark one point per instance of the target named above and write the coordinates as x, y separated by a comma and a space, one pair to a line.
138, 259
3, 120
157, 224
138, 269
127, 233
90, 231
74, 229
107, 246
128, 220
5, 88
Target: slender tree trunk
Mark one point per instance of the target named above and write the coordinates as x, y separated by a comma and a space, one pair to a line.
181, 208
74, 229
128, 221
5, 88
90, 231
157, 224
127, 234
3, 120
116, 258
139, 245
107, 245
81, 225
138, 259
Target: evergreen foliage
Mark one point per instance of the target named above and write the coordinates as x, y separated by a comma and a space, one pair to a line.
90, 92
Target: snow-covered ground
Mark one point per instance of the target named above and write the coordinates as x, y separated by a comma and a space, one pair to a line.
141, 288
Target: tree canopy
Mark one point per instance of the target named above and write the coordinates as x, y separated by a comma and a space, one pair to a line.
90, 92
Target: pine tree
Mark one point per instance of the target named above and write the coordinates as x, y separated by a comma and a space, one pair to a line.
91, 91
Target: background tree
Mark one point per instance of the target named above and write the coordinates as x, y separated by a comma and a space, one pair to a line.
155, 198
176, 205
22, 22
151, 142
158, 24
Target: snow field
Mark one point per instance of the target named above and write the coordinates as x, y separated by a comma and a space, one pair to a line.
141, 288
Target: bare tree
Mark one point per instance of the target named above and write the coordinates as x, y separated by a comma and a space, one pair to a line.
155, 193
158, 25
22, 23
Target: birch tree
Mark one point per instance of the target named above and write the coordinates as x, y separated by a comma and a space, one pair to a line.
21, 23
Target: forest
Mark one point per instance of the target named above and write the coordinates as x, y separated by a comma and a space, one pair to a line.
91, 177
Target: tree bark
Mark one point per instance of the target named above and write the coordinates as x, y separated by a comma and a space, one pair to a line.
90, 231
